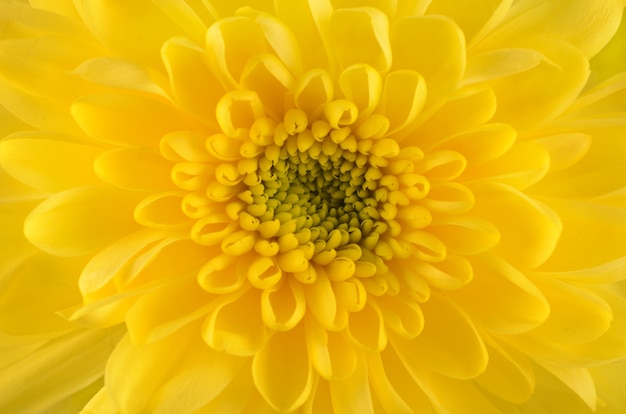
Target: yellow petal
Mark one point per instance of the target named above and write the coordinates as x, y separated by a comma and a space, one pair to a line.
116, 25
360, 35
588, 24
58, 368
323, 303
453, 395
474, 21
126, 119
403, 383
500, 298
282, 372
453, 345
401, 316
189, 379
482, 144
442, 64
500, 63
565, 149
578, 380
29, 302
271, 80
366, 328
152, 316
231, 43
110, 260
530, 98
283, 307
100, 403
523, 165
470, 107
577, 316
403, 97
161, 211
530, 239
121, 73
331, 353
343, 392
48, 163
79, 221
449, 198
63, 7
509, 376
466, 235
586, 227
194, 87
361, 84
119, 167
308, 20
389, 397
133, 389
278, 35
236, 326
185, 16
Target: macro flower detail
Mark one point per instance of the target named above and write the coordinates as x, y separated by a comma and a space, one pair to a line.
312, 206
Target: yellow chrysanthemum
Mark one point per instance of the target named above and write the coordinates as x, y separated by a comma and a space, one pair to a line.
393, 206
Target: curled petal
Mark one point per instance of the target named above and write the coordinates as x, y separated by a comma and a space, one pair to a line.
402, 99
283, 307
235, 326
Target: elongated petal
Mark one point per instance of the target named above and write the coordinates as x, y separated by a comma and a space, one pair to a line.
531, 238
282, 371
454, 347
500, 298
39, 159
58, 368
80, 220
587, 24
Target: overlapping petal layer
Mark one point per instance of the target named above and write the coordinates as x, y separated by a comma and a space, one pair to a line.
311, 206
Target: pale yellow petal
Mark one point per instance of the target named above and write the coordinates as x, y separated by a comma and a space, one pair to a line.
500, 298
587, 226
42, 161
308, 20
530, 239
236, 326
588, 24
116, 25
441, 57
360, 35
474, 21
122, 73
81, 220
450, 340
60, 367
126, 119
282, 371
530, 98
119, 167
34, 289
353, 393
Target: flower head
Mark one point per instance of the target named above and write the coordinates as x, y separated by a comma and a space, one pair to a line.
316, 206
